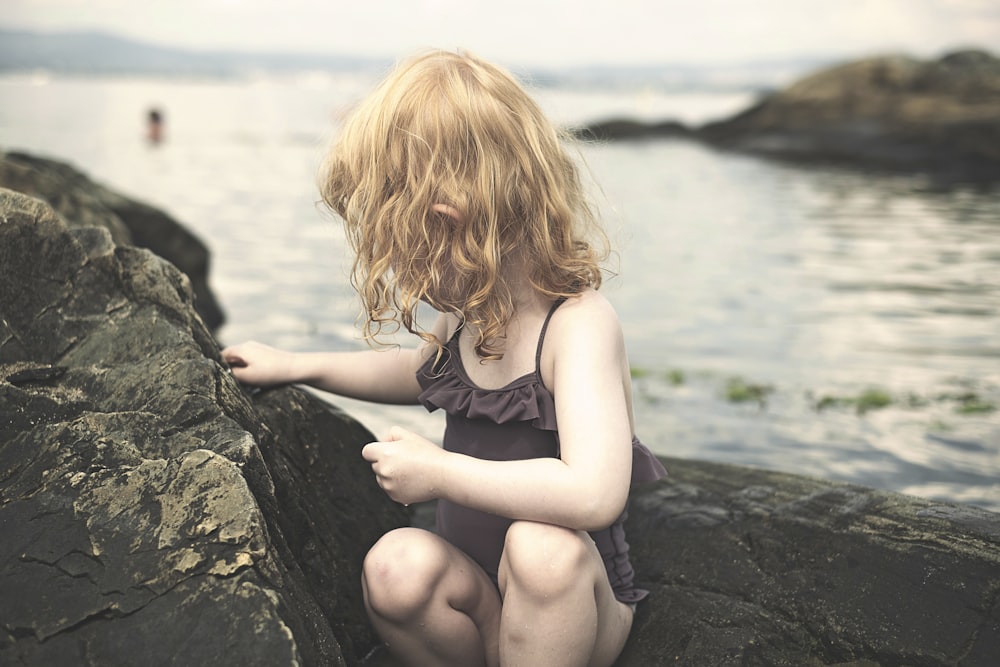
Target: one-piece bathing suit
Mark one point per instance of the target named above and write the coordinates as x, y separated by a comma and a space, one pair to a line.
514, 422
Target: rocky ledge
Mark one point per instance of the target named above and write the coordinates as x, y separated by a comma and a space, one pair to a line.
896, 113
83, 202
152, 512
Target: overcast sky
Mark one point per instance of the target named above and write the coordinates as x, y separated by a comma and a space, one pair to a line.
538, 32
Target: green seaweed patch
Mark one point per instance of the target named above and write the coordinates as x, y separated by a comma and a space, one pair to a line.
912, 400
827, 402
938, 425
869, 399
972, 404
739, 390
873, 399
676, 376
969, 403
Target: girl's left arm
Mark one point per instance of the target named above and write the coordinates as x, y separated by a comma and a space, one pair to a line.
586, 368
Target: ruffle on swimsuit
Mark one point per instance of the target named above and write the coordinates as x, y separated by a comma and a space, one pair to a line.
519, 401
526, 399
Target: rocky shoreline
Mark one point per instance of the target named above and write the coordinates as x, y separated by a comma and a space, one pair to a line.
153, 512
892, 113
84, 203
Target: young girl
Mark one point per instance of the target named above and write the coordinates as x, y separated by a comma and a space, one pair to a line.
456, 191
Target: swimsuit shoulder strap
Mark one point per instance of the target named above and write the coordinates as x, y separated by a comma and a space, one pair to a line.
541, 334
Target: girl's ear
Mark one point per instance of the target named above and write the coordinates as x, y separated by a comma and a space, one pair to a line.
448, 210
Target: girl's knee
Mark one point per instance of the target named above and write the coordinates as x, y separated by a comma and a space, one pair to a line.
546, 560
401, 571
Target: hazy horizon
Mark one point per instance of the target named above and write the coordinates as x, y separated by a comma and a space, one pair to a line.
536, 33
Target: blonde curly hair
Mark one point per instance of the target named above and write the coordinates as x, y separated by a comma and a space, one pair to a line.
451, 182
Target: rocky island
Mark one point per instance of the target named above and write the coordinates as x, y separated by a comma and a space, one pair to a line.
152, 512
893, 113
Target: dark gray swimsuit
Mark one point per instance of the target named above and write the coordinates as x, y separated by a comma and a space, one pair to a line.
515, 422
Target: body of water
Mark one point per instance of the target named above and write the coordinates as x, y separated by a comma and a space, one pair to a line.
820, 321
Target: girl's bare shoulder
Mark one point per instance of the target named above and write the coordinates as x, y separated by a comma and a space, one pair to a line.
587, 304
588, 316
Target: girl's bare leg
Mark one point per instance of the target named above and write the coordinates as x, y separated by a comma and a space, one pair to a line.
430, 603
558, 607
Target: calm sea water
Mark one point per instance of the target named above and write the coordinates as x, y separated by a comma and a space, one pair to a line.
834, 323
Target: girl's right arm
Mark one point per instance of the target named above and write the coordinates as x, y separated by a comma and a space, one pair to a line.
381, 376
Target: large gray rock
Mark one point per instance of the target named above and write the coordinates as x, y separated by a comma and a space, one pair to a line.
892, 113
895, 112
149, 512
624, 129
84, 203
753, 567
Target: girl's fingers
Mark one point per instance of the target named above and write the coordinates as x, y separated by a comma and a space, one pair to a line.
397, 433
370, 452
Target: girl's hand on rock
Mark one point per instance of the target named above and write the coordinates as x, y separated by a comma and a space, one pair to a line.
258, 364
406, 466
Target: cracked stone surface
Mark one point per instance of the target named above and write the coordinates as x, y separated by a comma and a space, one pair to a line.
150, 512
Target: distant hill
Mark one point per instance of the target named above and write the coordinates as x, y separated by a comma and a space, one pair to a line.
104, 53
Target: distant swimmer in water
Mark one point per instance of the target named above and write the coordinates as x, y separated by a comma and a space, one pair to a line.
154, 127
